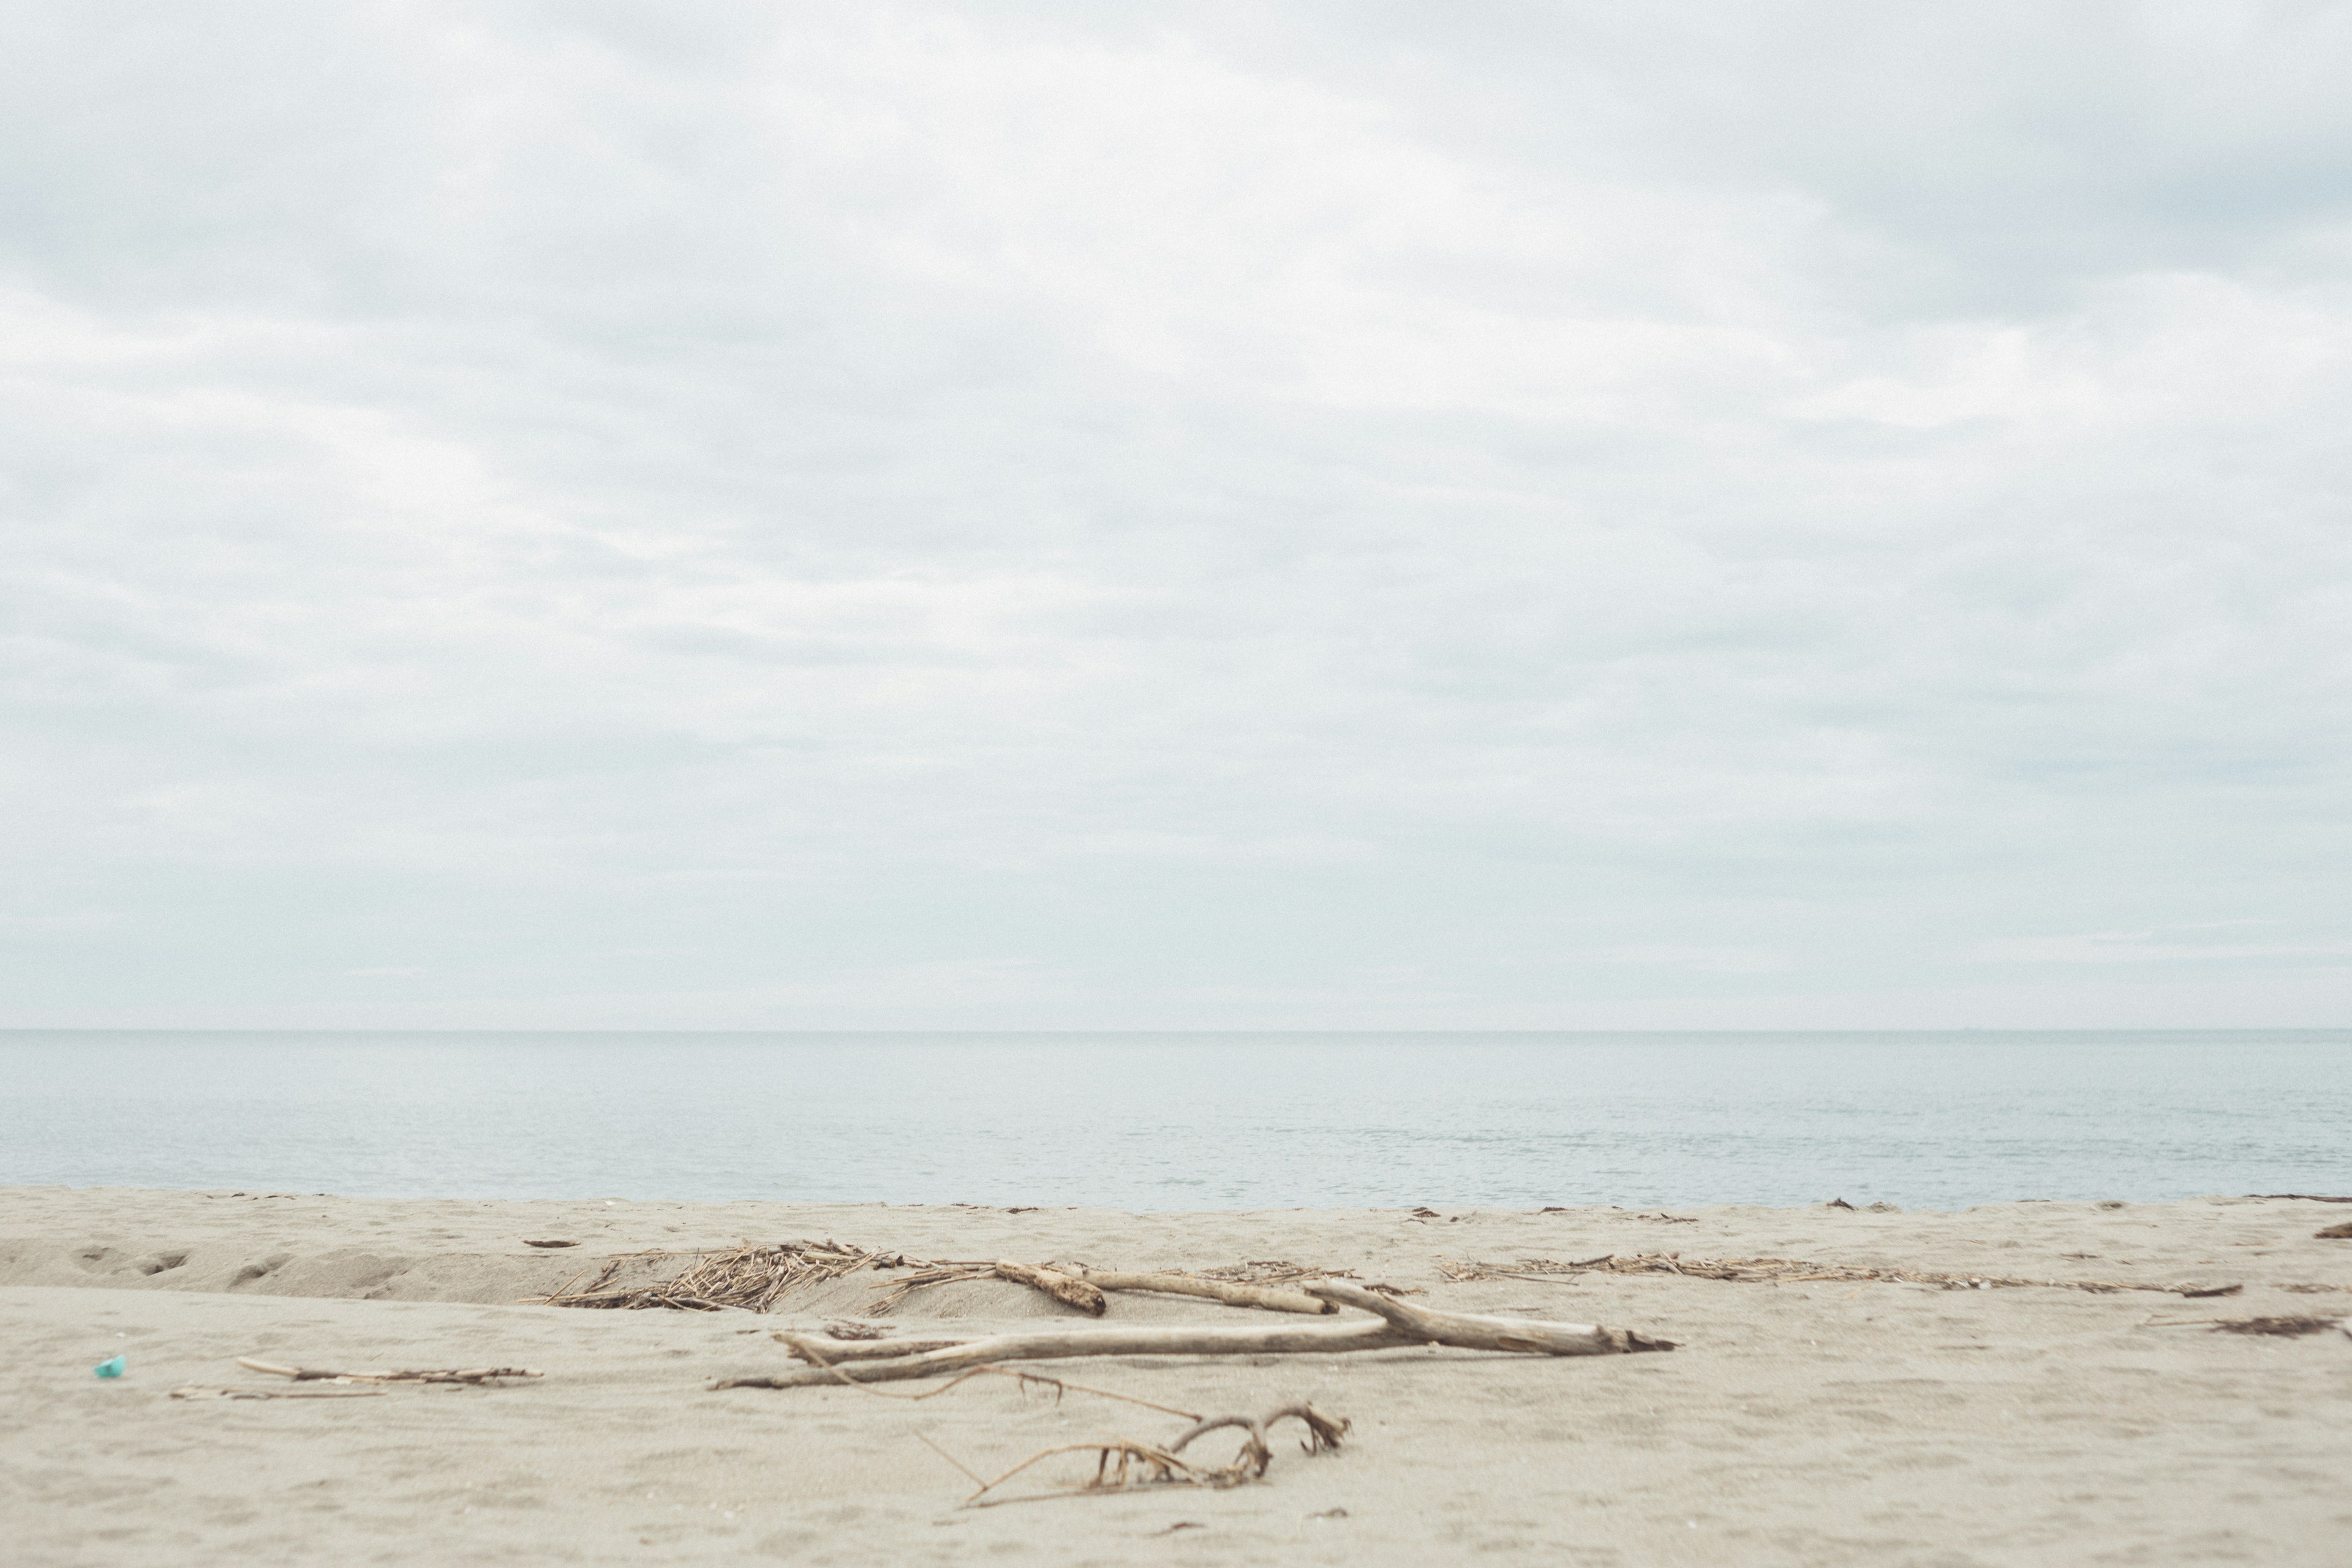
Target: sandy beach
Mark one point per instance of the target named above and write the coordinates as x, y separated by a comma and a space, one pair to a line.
1800, 1422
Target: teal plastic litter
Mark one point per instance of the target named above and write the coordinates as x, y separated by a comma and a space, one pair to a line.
110, 1367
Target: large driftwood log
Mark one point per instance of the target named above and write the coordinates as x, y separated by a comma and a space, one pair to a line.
1393, 1324
1063, 1287
1232, 1295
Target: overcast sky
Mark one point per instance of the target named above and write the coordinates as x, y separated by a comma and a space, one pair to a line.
1290, 515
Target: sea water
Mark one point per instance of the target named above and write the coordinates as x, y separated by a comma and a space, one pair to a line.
1170, 1122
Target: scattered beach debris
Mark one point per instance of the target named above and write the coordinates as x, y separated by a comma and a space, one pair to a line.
1393, 1324
110, 1367
2334, 1232
478, 1377
1785, 1271
528, 1242
1122, 1464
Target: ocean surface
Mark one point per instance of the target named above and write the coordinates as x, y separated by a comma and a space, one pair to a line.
1169, 1122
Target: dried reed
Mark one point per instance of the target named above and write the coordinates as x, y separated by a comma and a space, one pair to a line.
1788, 1272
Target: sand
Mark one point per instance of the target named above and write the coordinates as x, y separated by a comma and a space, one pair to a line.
1815, 1424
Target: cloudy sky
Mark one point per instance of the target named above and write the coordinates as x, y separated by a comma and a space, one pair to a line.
1076, 515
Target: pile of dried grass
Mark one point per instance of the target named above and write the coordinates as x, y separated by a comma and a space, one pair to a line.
750, 1276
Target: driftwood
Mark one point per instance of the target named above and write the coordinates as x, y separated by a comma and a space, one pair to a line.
1078, 1286
1232, 1295
1240, 1285
478, 1376
194, 1392
1062, 1287
1051, 1278
1392, 1324
1790, 1271
1123, 1464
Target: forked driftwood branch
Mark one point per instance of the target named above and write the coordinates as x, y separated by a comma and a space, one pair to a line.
1392, 1324
478, 1376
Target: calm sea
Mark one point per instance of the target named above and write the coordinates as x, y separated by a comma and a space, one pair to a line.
1166, 1122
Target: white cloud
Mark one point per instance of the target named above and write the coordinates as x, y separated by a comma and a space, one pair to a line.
1305, 516
2156, 947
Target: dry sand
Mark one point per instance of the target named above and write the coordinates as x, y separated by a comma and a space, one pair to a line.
1822, 1423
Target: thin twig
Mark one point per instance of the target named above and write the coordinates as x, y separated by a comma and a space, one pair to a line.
950, 1458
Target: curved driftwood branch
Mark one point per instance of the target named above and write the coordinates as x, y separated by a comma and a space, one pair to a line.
1122, 1464
1323, 1432
1395, 1323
